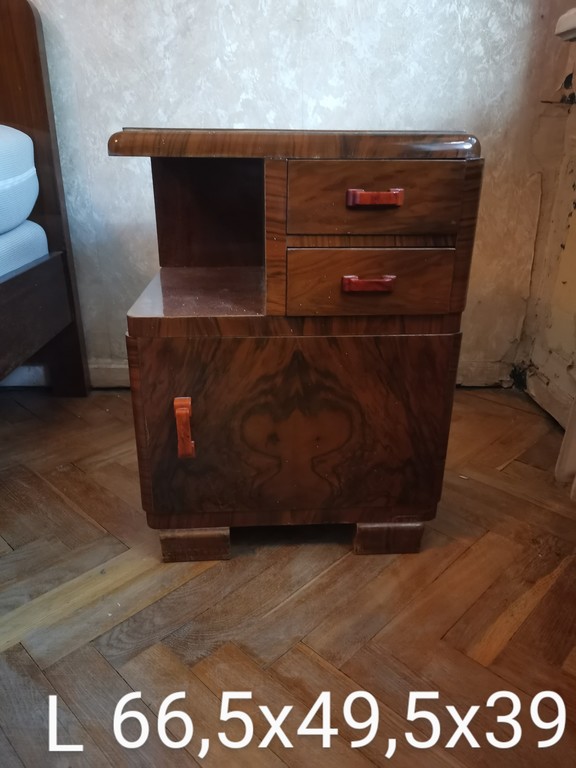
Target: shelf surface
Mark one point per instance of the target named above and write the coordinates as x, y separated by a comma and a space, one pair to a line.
202, 292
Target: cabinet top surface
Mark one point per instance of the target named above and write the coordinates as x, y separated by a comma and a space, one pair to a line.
151, 142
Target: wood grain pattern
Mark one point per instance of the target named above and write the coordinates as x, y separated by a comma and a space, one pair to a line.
350, 626
55, 570
397, 537
227, 205
53, 607
485, 561
317, 197
195, 544
30, 507
229, 668
465, 238
275, 227
302, 432
154, 671
254, 603
170, 613
170, 306
126, 596
40, 285
152, 142
93, 689
140, 427
24, 717
194, 196
422, 285
305, 673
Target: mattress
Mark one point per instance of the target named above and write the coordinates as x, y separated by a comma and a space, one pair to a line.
21, 246
18, 179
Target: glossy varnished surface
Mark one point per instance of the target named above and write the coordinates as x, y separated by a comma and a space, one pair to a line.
178, 292
188, 302
422, 281
317, 199
292, 430
152, 142
209, 212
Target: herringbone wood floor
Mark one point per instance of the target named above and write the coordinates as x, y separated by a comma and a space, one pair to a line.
88, 612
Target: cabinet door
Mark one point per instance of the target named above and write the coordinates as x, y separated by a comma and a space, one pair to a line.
283, 425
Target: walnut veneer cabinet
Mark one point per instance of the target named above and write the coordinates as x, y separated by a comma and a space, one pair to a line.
294, 360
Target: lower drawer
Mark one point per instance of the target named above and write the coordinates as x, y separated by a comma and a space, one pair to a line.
420, 281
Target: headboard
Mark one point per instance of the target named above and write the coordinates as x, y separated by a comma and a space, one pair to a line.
39, 312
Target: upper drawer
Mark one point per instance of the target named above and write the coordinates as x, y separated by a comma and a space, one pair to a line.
317, 196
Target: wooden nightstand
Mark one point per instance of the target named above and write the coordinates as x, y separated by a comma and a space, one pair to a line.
294, 360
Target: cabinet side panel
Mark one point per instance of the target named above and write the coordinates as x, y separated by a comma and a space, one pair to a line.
140, 424
465, 239
275, 201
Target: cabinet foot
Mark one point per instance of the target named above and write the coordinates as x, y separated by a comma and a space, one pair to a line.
387, 538
184, 544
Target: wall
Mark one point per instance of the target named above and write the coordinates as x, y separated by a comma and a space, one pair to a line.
548, 349
479, 65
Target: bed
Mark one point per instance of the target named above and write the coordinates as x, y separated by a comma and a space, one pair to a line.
39, 314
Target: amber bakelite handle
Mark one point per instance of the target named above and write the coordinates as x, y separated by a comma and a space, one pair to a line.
359, 197
384, 284
183, 414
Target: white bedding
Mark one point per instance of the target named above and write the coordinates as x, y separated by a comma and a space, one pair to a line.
21, 246
18, 179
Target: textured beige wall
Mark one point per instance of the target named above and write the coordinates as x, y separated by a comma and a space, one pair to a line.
478, 65
549, 338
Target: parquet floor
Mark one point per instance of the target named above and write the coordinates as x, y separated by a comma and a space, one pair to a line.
89, 614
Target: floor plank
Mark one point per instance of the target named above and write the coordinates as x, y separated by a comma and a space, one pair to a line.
24, 717
243, 612
159, 672
57, 570
354, 623
92, 690
229, 669
430, 615
305, 673
90, 613
30, 508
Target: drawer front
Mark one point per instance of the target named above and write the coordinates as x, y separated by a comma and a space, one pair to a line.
422, 281
318, 200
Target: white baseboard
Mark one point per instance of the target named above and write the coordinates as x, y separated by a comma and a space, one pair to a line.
108, 374
483, 373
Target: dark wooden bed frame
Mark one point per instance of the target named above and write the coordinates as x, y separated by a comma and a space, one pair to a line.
39, 315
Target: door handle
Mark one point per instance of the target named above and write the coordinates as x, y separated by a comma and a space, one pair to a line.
353, 283
359, 197
183, 415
